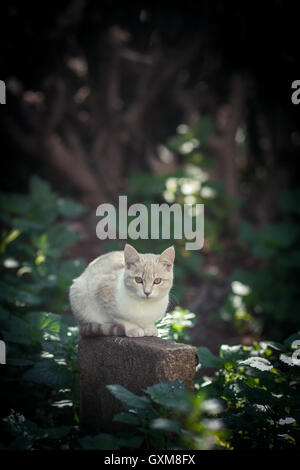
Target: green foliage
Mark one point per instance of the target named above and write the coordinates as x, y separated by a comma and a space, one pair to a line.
41, 346
28, 435
259, 387
271, 301
193, 184
166, 417
251, 402
174, 324
32, 242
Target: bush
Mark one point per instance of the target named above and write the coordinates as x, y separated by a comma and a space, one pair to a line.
267, 297
41, 346
174, 325
167, 417
259, 387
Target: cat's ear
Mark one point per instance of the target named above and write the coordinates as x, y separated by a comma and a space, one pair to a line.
167, 257
131, 256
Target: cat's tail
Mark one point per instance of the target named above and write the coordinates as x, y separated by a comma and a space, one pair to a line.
101, 329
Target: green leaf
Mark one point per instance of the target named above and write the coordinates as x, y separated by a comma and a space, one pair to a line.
19, 362
40, 190
193, 262
17, 332
172, 394
99, 442
207, 358
166, 425
129, 399
68, 270
290, 360
203, 129
272, 344
127, 418
59, 238
56, 432
21, 443
288, 341
148, 184
42, 323
15, 337
4, 314
258, 363
259, 396
289, 201
232, 353
133, 442
48, 372
69, 208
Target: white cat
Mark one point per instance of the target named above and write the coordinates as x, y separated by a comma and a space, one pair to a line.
123, 293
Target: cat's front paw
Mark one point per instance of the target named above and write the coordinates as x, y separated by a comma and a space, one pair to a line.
134, 332
151, 331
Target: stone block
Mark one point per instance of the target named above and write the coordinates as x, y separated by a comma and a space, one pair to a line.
134, 363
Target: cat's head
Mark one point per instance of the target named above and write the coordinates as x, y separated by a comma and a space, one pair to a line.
146, 275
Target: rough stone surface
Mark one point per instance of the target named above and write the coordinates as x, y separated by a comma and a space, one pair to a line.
135, 363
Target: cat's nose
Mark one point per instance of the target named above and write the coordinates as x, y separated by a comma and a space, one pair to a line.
147, 293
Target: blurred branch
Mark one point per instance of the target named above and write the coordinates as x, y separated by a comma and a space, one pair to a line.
55, 104
229, 118
154, 80
187, 100
136, 57
118, 133
74, 167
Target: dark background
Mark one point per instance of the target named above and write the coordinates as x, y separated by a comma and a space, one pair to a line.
94, 87
147, 68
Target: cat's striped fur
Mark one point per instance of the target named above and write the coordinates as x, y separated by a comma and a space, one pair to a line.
101, 329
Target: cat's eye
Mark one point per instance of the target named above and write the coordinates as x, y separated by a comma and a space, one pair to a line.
157, 280
139, 280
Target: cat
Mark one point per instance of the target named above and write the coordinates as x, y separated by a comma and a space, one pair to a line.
123, 293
